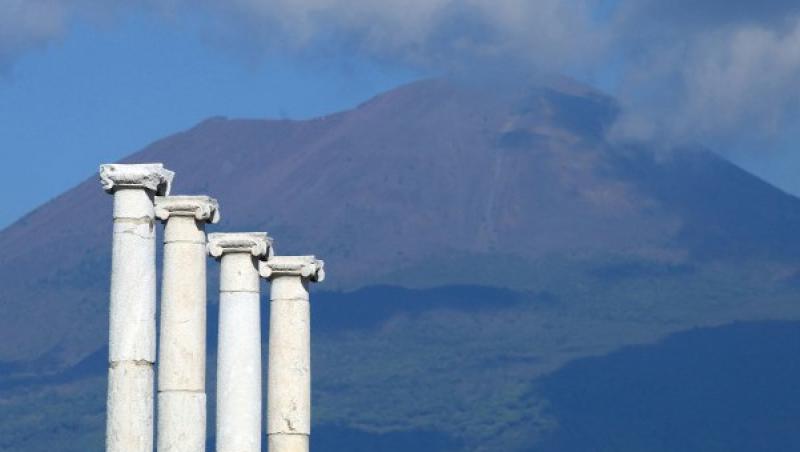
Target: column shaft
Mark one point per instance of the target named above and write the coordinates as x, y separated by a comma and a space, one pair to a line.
289, 376
132, 323
182, 351
239, 355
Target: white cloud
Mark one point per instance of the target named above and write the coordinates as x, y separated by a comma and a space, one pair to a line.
438, 34
708, 84
431, 33
27, 24
690, 70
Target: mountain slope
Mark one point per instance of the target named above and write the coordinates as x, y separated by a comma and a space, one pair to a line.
579, 246
434, 176
719, 389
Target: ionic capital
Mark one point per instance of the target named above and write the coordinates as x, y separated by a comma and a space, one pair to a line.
149, 176
202, 208
307, 267
259, 244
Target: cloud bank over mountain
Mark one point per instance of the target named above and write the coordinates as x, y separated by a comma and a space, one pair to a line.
699, 71
704, 70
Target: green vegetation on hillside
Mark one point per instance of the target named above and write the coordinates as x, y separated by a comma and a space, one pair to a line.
466, 368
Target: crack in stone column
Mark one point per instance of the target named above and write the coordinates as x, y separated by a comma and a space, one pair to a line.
182, 343
289, 376
131, 348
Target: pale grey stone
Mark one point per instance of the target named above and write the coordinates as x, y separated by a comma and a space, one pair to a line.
182, 344
201, 208
307, 267
239, 339
259, 244
132, 345
130, 407
289, 375
188, 435
149, 176
132, 328
288, 443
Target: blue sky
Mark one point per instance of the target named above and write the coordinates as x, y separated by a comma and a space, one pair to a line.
88, 81
102, 93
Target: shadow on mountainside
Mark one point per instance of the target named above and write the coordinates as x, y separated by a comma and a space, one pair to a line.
725, 389
332, 312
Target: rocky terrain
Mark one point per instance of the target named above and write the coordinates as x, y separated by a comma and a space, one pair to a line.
479, 244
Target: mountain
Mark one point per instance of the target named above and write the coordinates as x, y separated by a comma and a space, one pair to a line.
476, 239
715, 389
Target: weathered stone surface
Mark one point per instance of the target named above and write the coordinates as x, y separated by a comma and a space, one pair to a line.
238, 273
188, 435
239, 347
259, 244
183, 300
182, 350
202, 208
239, 373
289, 375
132, 328
288, 443
182, 344
133, 205
307, 267
148, 176
130, 407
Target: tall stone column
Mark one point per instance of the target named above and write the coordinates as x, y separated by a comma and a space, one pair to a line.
289, 373
132, 319
239, 347
182, 343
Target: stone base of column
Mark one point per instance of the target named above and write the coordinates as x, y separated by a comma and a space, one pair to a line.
130, 401
187, 434
283, 442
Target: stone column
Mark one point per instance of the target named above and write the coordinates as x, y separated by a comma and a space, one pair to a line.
132, 319
182, 343
239, 348
289, 372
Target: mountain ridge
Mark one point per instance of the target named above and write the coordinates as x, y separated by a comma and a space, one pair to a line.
430, 172
571, 246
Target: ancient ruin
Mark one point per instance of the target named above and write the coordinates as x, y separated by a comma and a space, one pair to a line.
182, 342
289, 384
142, 195
239, 350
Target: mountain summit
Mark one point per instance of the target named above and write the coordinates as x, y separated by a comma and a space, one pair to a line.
440, 184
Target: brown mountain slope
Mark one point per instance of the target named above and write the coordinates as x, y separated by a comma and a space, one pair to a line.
432, 183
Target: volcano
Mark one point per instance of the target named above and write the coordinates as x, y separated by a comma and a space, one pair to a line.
475, 239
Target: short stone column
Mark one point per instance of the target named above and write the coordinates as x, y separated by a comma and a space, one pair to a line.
182, 342
239, 347
132, 316
289, 371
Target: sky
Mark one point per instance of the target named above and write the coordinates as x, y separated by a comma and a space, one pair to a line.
90, 81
